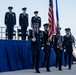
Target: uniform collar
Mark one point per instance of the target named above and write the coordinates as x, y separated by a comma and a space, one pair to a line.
36, 16
36, 30
10, 12
24, 14
46, 31
67, 35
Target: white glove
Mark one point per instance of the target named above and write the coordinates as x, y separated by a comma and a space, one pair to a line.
33, 39
64, 50
42, 48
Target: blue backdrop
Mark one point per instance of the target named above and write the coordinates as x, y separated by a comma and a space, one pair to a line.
16, 55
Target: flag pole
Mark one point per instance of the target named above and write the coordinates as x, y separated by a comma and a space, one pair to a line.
57, 19
57, 13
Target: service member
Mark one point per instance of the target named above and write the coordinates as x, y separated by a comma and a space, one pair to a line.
23, 22
47, 47
10, 22
35, 36
68, 45
36, 19
58, 48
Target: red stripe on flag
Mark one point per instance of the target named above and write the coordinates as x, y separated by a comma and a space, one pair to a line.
51, 21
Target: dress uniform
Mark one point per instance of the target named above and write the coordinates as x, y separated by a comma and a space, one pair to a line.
58, 48
36, 19
35, 36
23, 22
68, 46
47, 47
10, 21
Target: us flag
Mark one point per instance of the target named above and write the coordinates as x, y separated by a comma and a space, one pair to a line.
51, 19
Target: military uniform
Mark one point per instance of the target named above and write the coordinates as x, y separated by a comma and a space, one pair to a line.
58, 48
47, 48
68, 46
23, 22
10, 21
36, 19
35, 36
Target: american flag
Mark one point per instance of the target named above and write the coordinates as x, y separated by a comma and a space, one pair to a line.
51, 19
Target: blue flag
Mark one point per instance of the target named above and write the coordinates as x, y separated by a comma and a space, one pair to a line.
57, 19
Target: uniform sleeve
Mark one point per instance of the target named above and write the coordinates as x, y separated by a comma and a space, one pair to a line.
30, 35
20, 19
40, 22
32, 22
64, 47
52, 41
27, 20
62, 38
5, 21
14, 19
43, 38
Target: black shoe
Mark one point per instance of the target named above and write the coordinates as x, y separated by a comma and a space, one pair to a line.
69, 68
64, 65
56, 66
48, 70
37, 71
60, 69
32, 66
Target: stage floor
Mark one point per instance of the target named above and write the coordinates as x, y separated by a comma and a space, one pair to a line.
54, 71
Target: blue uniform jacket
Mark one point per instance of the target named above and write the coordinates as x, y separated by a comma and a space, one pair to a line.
10, 19
23, 20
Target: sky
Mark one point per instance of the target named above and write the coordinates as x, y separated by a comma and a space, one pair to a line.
66, 8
